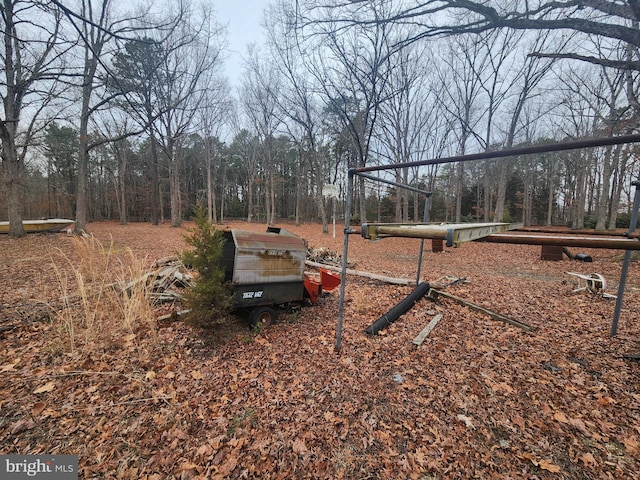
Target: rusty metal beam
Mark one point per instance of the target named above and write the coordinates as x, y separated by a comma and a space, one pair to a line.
614, 243
568, 231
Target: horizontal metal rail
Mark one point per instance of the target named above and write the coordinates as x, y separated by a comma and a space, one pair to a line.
513, 152
455, 234
613, 243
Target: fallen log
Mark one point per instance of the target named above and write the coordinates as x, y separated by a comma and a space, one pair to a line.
358, 273
434, 294
392, 315
427, 330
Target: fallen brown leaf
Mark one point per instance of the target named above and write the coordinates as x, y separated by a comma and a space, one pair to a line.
549, 466
48, 387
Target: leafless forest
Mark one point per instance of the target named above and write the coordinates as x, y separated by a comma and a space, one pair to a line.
126, 113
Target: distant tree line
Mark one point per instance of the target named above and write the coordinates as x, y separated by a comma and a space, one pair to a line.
127, 115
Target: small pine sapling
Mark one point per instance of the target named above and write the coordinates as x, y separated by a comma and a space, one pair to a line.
209, 300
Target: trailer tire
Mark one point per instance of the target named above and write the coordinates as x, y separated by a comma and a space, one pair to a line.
262, 317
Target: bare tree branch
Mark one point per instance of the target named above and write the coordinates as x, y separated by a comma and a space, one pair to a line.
433, 18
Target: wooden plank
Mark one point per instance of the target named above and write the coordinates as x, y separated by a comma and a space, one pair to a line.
358, 273
427, 330
434, 294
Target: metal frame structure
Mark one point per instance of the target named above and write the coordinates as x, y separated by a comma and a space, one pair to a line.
627, 244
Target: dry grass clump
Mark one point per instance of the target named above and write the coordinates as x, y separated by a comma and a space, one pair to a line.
104, 295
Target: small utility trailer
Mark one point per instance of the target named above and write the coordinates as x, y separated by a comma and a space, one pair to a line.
266, 270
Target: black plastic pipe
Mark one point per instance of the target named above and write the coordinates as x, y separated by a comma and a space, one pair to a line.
392, 315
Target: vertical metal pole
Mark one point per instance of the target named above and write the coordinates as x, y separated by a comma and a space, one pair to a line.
425, 219
345, 251
627, 260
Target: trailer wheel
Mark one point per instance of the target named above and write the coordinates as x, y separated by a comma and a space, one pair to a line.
262, 316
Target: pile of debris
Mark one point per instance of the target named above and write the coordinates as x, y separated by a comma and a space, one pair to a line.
169, 277
323, 255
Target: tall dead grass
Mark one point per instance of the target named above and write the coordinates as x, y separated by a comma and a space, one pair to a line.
105, 297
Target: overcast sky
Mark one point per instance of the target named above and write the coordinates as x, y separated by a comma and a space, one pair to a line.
243, 27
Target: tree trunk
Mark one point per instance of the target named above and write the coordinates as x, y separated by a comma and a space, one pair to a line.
551, 181
11, 161
155, 180
122, 169
619, 172
486, 194
501, 197
272, 193
322, 211
211, 193
83, 165
398, 198
577, 221
250, 199
174, 182
459, 191
299, 186
405, 195
207, 168
527, 200
14, 185
602, 208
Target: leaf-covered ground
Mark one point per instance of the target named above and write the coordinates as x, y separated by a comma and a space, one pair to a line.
478, 399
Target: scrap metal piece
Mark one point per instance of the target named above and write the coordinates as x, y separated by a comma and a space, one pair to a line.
435, 294
594, 283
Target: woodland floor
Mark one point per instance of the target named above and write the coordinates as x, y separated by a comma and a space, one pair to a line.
478, 399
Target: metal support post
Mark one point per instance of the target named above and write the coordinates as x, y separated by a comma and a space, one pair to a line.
425, 219
345, 251
627, 260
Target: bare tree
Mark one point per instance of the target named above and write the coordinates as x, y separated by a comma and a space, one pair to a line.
408, 119
259, 99
501, 48
115, 124
244, 149
166, 81
97, 27
298, 101
214, 115
190, 73
353, 69
576, 119
608, 19
135, 71
31, 60
526, 80
460, 97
